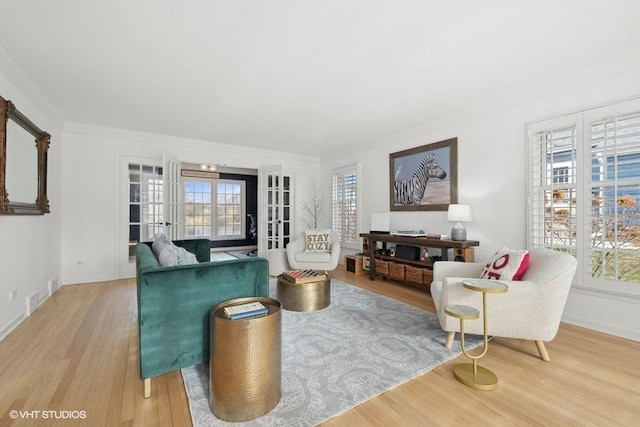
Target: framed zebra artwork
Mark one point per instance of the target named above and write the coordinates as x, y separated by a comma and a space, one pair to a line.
424, 178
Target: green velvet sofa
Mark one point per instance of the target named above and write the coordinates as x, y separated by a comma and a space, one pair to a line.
174, 304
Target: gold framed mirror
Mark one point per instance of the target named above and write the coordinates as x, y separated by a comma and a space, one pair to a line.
23, 170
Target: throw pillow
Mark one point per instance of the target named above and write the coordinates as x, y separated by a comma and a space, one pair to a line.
169, 254
506, 264
317, 241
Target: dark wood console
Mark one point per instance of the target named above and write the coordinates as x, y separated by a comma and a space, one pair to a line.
464, 247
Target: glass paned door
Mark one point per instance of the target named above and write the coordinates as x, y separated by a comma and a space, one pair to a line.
275, 209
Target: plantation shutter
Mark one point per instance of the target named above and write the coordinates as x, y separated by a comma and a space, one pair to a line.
553, 207
344, 203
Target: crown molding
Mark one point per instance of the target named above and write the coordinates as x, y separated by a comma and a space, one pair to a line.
16, 72
168, 140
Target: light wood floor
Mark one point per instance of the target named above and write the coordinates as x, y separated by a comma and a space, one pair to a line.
78, 352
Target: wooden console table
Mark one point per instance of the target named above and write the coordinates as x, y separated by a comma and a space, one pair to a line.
421, 242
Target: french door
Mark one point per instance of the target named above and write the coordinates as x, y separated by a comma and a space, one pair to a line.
171, 196
275, 209
140, 208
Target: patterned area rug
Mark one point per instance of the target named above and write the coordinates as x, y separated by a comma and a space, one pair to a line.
334, 359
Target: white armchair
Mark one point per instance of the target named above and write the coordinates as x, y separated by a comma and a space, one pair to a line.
531, 309
300, 259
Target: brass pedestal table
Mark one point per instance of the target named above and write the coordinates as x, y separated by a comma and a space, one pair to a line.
245, 365
471, 374
310, 296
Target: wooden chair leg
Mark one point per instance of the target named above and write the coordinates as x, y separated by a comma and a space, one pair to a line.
543, 351
147, 388
449, 341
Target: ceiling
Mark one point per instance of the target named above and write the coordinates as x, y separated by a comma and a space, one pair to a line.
309, 77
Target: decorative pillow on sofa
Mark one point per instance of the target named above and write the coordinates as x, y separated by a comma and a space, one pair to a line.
169, 254
317, 241
506, 264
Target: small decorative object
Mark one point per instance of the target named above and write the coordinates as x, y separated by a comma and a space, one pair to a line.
459, 213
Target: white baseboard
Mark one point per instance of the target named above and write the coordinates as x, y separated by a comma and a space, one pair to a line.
6, 330
607, 328
604, 312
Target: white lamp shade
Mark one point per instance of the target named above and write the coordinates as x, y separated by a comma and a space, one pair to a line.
459, 213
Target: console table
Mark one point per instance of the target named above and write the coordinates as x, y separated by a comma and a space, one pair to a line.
421, 242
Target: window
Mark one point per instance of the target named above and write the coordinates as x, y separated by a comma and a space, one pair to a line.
197, 208
345, 204
585, 193
146, 219
214, 209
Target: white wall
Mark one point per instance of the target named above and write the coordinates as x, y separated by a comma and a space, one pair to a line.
29, 245
492, 165
92, 159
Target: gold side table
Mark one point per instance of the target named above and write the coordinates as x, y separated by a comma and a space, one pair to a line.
471, 374
304, 296
245, 366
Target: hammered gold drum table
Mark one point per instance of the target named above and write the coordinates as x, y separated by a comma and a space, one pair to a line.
304, 296
245, 364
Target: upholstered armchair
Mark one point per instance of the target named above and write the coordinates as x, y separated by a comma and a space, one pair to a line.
314, 250
531, 309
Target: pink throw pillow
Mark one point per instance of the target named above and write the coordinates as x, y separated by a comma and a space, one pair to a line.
506, 264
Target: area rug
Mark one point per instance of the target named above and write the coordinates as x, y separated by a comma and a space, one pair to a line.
333, 359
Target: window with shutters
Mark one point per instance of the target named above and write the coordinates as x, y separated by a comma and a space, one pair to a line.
584, 193
345, 204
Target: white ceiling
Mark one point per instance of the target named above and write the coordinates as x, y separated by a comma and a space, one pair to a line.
309, 77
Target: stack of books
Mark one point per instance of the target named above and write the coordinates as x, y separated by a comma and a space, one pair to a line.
304, 276
243, 311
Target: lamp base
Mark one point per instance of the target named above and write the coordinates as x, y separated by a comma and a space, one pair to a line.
458, 232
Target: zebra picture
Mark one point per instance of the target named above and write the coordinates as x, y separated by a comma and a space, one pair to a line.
411, 191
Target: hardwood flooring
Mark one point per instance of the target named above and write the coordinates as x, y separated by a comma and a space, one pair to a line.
75, 362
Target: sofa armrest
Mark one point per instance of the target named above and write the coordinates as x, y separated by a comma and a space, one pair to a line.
442, 269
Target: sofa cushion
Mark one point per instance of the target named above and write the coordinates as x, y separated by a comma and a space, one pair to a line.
506, 264
169, 254
317, 241
311, 257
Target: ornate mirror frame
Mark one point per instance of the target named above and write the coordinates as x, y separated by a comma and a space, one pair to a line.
42, 140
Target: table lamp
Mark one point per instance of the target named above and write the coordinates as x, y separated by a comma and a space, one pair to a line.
459, 213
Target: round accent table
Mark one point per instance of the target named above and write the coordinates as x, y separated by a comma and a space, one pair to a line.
472, 374
245, 366
309, 296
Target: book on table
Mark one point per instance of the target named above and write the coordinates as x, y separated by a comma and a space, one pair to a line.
243, 311
304, 276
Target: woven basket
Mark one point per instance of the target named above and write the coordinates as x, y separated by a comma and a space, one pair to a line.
427, 277
396, 271
413, 274
382, 267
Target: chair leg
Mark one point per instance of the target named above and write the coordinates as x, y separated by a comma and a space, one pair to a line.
543, 351
449, 341
147, 388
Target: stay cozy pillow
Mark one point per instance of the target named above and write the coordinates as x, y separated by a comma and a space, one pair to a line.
506, 264
317, 241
